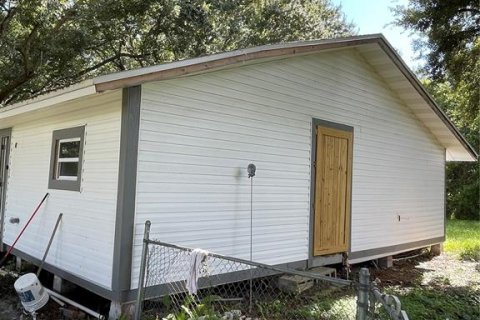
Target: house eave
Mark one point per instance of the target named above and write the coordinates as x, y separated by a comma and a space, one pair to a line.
70, 93
389, 62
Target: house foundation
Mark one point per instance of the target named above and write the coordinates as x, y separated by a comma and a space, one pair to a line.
18, 264
385, 262
125, 310
437, 249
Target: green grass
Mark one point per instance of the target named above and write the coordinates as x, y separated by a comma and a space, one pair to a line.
438, 302
463, 239
439, 299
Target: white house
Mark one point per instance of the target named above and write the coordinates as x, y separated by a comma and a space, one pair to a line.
350, 153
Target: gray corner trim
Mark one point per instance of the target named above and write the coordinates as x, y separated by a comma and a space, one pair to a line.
328, 124
220, 279
76, 132
95, 288
445, 192
313, 174
396, 248
127, 178
3, 195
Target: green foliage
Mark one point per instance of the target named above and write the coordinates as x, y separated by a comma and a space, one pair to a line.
463, 239
462, 179
463, 188
452, 48
441, 297
46, 45
438, 302
192, 309
322, 304
451, 28
471, 253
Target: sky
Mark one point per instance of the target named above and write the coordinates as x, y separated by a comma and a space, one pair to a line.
374, 16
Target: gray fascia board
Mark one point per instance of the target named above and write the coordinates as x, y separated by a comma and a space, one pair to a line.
393, 249
127, 177
340, 41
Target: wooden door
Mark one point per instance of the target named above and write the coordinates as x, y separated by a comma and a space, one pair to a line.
332, 190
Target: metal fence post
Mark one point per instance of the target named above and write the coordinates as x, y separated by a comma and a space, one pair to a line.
141, 277
362, 298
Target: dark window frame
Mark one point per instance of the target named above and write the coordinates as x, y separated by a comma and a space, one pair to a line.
69, 133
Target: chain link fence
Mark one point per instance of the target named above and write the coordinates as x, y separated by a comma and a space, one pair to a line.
373, 304
178, 283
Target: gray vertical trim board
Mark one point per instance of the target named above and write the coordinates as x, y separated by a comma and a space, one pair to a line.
313, 155
3, 195
444, 192
127, 177
313, 174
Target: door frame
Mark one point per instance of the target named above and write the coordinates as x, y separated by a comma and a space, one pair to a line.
333, 258
3, 193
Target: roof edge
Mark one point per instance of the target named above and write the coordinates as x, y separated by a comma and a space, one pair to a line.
412, 78
221, 60
75, 91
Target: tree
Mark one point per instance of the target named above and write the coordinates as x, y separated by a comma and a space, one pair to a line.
462, 179
46, 45
452, 48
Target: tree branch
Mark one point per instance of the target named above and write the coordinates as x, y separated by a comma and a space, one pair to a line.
9, 16
106, 61
69, 15
472, 10
7, 90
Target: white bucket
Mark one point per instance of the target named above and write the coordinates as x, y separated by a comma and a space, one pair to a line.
32, 295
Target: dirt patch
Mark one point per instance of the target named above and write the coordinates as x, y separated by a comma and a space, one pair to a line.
11, 308
455, 272
442, 287
427, 270
405, 272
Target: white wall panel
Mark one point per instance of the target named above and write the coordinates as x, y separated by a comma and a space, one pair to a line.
199, 133
83, 244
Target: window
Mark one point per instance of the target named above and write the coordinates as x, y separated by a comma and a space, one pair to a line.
66, 159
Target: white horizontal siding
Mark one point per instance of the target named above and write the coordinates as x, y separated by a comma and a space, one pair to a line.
199, 133
83, 244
